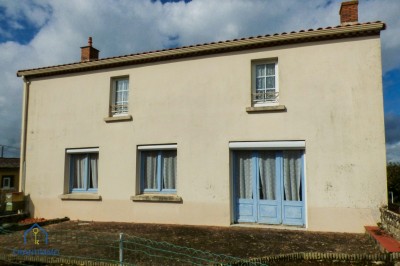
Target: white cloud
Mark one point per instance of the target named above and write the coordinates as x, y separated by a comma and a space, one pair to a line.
209, 20
33, 12
388, 12
393, 152
5, 34
15, 25
123, 27
10, 94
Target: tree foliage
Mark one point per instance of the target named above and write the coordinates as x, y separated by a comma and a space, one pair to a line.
393, 180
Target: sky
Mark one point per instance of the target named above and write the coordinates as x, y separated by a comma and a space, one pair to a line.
37, 33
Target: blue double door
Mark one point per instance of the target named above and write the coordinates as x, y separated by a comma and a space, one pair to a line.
269, 186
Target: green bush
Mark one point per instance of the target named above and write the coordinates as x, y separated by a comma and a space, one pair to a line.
393, 180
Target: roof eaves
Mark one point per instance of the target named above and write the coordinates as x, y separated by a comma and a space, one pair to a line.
9, 163
210, 48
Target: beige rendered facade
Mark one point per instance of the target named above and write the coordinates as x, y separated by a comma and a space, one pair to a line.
329, 104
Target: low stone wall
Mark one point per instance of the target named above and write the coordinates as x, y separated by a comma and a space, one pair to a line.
12, 218
53, 260
391, 222
328, 258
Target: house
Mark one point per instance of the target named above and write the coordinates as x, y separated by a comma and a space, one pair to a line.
9, 174
9, 178
284, 130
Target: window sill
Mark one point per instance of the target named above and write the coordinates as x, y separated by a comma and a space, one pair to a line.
272, 108
118, 118
80, 196
157, 198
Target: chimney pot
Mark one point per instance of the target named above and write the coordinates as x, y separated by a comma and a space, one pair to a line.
89, 53
349, 12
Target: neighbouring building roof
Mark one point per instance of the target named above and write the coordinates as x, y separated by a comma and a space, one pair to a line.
9, 162
311, 35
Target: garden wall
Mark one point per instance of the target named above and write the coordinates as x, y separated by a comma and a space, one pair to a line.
391, 222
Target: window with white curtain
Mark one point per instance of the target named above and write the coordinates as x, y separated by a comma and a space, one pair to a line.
119, 96
251, 165
265, 89
292, 165
158, 169
83, 170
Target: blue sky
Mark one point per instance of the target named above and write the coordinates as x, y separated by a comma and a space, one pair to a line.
36, 33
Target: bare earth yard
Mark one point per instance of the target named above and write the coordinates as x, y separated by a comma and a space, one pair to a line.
241, 242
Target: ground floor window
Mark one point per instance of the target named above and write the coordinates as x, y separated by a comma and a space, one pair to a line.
269, 186
158, 168
83, 170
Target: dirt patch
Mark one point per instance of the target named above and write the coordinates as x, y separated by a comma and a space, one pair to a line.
240, 242
100, 240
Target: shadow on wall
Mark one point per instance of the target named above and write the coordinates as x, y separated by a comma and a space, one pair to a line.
29, 206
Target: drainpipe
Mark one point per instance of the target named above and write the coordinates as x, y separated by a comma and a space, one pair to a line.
25, 101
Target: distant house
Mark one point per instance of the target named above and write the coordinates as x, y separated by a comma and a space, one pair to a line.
9, 174
283, 129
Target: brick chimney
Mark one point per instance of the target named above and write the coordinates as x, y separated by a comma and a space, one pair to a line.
349, 12
89, 53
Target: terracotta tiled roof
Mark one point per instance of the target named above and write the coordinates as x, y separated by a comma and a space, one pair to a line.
337, 32
9, 162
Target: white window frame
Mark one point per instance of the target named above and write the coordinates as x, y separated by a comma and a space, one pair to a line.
4, 181
85, 151
273, 102
159, 149
113, 100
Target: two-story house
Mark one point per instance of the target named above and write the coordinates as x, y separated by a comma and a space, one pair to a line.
284, 129
9, 174
9, 178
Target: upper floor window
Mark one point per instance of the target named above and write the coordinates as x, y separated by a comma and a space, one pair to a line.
7, 182
119, 96
158, 168
265, 89
83, 169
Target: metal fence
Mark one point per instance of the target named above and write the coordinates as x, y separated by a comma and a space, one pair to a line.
99, 248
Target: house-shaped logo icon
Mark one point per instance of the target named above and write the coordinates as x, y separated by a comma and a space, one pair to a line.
38, 233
